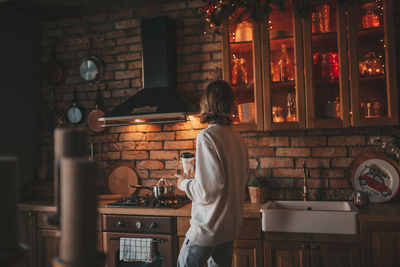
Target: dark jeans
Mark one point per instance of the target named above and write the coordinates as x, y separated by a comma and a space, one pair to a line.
192, 255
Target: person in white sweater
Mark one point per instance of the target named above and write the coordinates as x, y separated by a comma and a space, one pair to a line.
218, 188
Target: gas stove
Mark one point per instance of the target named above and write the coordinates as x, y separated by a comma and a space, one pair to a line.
148, 201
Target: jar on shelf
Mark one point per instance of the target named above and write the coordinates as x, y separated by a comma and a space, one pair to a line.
371, 64
332, 109
246, 112
371, 108
277, 114
371, 17
244, 33
239, 72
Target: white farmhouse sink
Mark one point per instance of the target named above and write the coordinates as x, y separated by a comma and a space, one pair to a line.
329, 217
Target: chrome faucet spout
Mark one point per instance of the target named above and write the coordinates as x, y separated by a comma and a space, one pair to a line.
306, 176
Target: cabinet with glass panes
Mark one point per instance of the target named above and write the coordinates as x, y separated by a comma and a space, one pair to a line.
332, 67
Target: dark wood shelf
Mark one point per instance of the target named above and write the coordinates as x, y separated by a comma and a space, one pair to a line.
241, 47
326, 81
370, 33
325, 42
243, 93
284, 85
276, 45
369, 78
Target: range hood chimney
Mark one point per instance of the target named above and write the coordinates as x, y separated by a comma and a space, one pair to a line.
158, 101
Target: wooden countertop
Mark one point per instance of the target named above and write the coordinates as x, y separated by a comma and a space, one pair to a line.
249, 210
372, 212
388, 212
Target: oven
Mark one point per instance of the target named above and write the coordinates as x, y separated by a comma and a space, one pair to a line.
160, 229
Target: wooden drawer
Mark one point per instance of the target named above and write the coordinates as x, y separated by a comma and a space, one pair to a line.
139, 224
251, 228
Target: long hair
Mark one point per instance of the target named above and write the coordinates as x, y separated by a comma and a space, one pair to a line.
217, 103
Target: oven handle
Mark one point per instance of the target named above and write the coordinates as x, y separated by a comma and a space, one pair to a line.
156, 240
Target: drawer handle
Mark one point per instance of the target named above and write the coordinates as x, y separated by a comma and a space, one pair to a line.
120, 223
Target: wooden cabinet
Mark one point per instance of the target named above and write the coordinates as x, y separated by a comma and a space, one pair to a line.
42, 238
380, 243
290, 254
247, 248
334, 67
47, 246
247, 253
308, 250
48, 239
26, 228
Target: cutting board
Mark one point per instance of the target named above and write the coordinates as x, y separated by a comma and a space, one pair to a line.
119, 180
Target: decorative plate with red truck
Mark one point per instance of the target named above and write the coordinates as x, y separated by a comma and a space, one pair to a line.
376, 175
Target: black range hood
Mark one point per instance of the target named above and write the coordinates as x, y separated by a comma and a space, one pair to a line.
158, 101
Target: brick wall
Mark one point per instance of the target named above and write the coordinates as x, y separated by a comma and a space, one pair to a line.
154, 150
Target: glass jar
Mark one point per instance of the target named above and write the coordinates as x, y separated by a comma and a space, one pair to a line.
277, 114
371, 17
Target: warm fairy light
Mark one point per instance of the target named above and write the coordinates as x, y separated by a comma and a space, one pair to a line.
139, 120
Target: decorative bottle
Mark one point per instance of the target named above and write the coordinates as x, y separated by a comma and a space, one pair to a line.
285, 65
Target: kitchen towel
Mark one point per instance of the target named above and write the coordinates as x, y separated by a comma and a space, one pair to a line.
136, 249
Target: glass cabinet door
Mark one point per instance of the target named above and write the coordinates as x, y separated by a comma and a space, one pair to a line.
326, 67
241, 41
373, 69
283, 80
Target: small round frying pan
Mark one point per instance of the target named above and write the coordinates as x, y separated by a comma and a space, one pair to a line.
96, 113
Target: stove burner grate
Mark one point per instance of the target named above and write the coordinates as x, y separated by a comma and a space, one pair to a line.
147, 201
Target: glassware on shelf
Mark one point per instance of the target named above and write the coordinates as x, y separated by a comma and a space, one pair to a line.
332, 109
291, 107
320, 20
371, 18
243, 32
275, 72
326, 65
246, 112
371, 64
371, 109
285, 66
277, 114
239, 72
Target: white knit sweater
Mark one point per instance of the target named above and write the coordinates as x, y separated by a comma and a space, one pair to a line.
217, 191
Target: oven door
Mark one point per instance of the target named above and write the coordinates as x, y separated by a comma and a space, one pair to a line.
165, 248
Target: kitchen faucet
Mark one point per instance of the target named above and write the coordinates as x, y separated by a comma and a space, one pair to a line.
306, 176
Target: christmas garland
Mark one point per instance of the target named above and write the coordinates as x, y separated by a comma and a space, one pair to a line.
214, 12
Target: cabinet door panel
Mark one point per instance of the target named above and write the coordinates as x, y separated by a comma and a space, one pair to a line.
325, 62
27, 234
380, 243
47, 247
247, 253
335, 254
373, 68
286, 254
242, 68
283, 80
